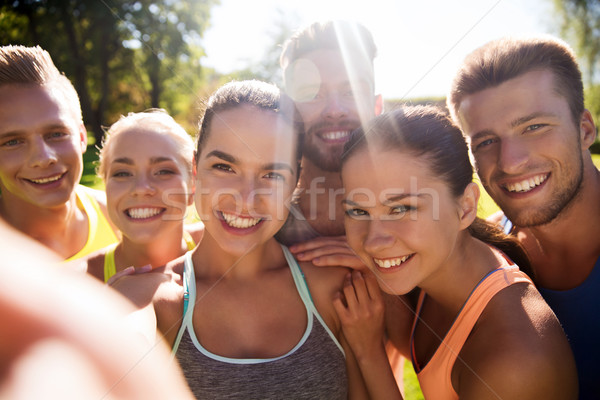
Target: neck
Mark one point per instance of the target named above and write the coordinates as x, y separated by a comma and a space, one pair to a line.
469, 262
62, 229
157, 252
564, 251
211, 261
319, 198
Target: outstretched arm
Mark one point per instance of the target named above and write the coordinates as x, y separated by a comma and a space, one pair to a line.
362, 312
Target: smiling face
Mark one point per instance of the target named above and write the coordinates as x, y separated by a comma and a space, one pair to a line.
404, 225
527, 149
41, 146
147, 184
332, 98
245, 176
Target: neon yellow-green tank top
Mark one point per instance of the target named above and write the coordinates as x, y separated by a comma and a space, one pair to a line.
100, 233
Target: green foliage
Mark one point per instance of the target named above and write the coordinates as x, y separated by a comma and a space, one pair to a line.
122, 56
579, 22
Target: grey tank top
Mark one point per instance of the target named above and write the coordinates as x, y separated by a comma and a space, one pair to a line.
314, 369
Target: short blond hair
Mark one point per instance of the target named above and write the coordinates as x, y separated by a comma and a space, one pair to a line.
21, 65
155, 120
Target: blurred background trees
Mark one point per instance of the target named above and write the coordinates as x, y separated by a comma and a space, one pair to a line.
130, 55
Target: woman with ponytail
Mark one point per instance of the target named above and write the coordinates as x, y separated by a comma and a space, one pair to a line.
480, 329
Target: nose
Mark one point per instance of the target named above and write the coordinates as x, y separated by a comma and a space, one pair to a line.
378, 238
41, 154
336, 106
143, 186
513, 155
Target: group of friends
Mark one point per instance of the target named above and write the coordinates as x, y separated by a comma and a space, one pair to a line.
336, 240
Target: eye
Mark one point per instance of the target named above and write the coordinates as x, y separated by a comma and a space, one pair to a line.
12, 142
534, 127
484, 143
223, 167
402, 209
121, 174
165, 171
274, 175
56, 135
356, 213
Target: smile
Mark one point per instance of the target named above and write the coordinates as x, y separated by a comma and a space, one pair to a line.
391, 262
235, 221
49, 179
337, 135
142, 213
527, 184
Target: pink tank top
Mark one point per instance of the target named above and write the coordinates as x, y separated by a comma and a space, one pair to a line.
435, 377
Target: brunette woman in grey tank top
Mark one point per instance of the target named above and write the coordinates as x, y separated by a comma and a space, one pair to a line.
245, 320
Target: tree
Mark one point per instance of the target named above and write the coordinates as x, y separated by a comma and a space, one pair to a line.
580, 25
121, 55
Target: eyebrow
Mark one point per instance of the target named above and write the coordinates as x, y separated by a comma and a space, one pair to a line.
513, 124
17, 132
153, 160
269, 166
529, 117
388, 200
222, 155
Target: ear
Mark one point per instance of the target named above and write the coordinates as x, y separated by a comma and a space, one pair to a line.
587, 130
83, 138
468, 205
378, 105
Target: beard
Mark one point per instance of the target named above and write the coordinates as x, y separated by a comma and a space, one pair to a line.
559, 201
326, 156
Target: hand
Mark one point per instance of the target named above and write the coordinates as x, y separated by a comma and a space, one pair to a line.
128, 271
328, 251
361, 311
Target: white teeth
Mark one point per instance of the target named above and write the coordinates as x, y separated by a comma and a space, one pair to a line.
527, 184
141, 213
390, 262
46, 180
239, 222
335, 135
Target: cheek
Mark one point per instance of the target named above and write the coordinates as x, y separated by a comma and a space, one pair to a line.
355, 232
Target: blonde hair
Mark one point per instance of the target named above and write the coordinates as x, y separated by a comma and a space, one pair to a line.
20, 65
154, 120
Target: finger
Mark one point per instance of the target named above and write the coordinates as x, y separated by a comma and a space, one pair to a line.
324, 250
125, 272
340, 307
360, 287
373, 286
349, 293
339, 260
143, 269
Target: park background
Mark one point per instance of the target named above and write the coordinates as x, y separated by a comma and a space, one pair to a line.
128, 56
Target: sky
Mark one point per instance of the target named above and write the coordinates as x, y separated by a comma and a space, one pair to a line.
420, 42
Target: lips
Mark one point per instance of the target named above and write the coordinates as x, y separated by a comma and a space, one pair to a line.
46, 180
387, 263
240, 222
526, 185
140, 213
335, 136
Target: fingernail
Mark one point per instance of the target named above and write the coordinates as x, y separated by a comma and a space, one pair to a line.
145, 268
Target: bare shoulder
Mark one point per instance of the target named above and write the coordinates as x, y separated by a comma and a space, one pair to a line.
324, 283
517, 349
196, 230
324, 279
